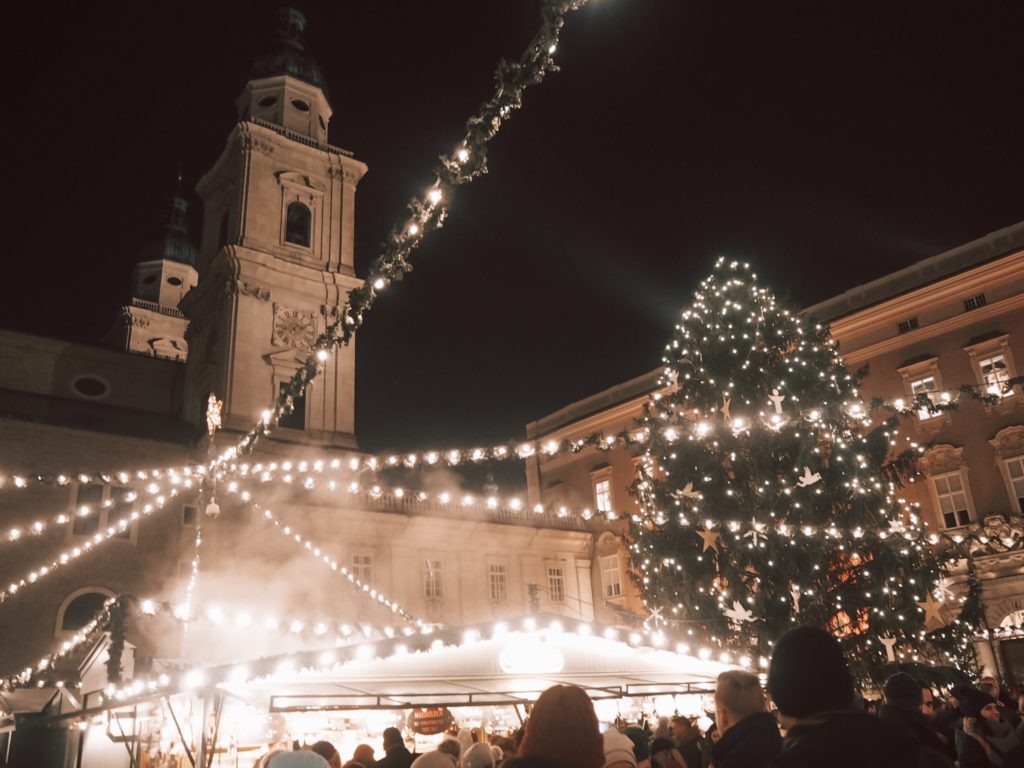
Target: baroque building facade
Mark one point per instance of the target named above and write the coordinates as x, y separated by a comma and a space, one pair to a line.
954, 319
235, 317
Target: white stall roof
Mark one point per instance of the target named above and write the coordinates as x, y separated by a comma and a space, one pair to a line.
504, 669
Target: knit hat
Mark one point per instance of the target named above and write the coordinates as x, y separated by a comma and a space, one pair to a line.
974, 701
960, 690
478, 756
808, 673
618, 748
641, 746
901, 688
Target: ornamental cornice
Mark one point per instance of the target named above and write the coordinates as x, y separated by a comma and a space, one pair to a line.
1008, 441
940, 459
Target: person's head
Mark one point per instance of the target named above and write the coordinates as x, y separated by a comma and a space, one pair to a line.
327, 751
979, 704
641, 746
665, 755
302, 759
681, 727
392, 738
929, 706
738, 695
364, 754
563, 729
618, 750
903, 692
990, 689
808, 674
450, 746
989, 680
478, 755
714, 734
957, 694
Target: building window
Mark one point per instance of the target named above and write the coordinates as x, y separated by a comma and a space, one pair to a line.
1015, 471
433, 579
952, 496
908, 325
974, 302
99, 507
189, 514
603, 495
556, 584
925, 386
362, 568
297, 418
79, 608
611, 576
993, 363
498, 581
298, 224
994, 375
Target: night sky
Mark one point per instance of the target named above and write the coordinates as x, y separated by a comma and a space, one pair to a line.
828, 143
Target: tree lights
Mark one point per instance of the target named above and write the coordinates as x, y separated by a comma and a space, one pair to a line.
759, 420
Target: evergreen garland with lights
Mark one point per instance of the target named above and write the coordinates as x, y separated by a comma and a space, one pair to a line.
760, 431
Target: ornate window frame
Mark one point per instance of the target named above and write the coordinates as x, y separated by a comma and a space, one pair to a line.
497, 567
1008, 445
987, 349
921, 371
300, 188
601, 488
102, 513
609, 546
941, 461
59, 632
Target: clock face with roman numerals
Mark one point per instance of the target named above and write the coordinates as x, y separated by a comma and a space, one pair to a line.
294, 328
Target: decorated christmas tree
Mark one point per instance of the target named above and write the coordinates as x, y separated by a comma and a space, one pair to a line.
769, 499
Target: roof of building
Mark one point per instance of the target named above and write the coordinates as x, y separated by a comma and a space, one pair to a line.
286, 55
628, 390
946, 264
174, 244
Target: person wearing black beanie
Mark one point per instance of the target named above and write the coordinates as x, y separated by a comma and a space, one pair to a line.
985, 740
811, 684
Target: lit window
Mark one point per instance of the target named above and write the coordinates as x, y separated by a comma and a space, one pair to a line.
952, 500
499, 581
362, 568
611, 576
556, 584
925, 386
603, 495
98, 507
994, 375
1015, 469
297, 224
433, 579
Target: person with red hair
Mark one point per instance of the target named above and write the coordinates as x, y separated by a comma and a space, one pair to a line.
562, 732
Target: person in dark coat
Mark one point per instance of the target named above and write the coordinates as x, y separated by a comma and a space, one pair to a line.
947, 722
750, 735
395, 753
902, 707
687, 740
985, 740
811, 684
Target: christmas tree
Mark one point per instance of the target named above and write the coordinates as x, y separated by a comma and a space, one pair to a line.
769, 499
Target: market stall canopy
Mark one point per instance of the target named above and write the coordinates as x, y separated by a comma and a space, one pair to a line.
455, 668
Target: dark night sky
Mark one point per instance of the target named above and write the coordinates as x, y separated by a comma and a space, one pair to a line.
826, 142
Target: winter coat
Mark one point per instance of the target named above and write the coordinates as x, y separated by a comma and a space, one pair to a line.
931, 750
845, 739
753, 742
396, 757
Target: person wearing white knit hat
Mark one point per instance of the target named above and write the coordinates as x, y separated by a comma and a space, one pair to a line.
618, 750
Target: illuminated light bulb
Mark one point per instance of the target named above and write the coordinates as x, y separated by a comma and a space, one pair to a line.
194, 679
267, 415
148, 607
736, 424
462, 154
703, 428
322, 355
414, 229
434, 196
379, 283
551, 48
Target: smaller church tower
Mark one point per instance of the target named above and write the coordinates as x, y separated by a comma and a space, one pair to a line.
152, 324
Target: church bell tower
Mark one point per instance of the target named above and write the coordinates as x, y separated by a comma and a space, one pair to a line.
276, 259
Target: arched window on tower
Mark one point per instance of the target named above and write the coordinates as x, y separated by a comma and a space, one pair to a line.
297, 224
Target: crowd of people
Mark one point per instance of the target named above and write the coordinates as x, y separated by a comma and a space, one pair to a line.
818, 720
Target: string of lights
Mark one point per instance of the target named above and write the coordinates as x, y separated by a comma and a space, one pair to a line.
120, 528
357, 584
